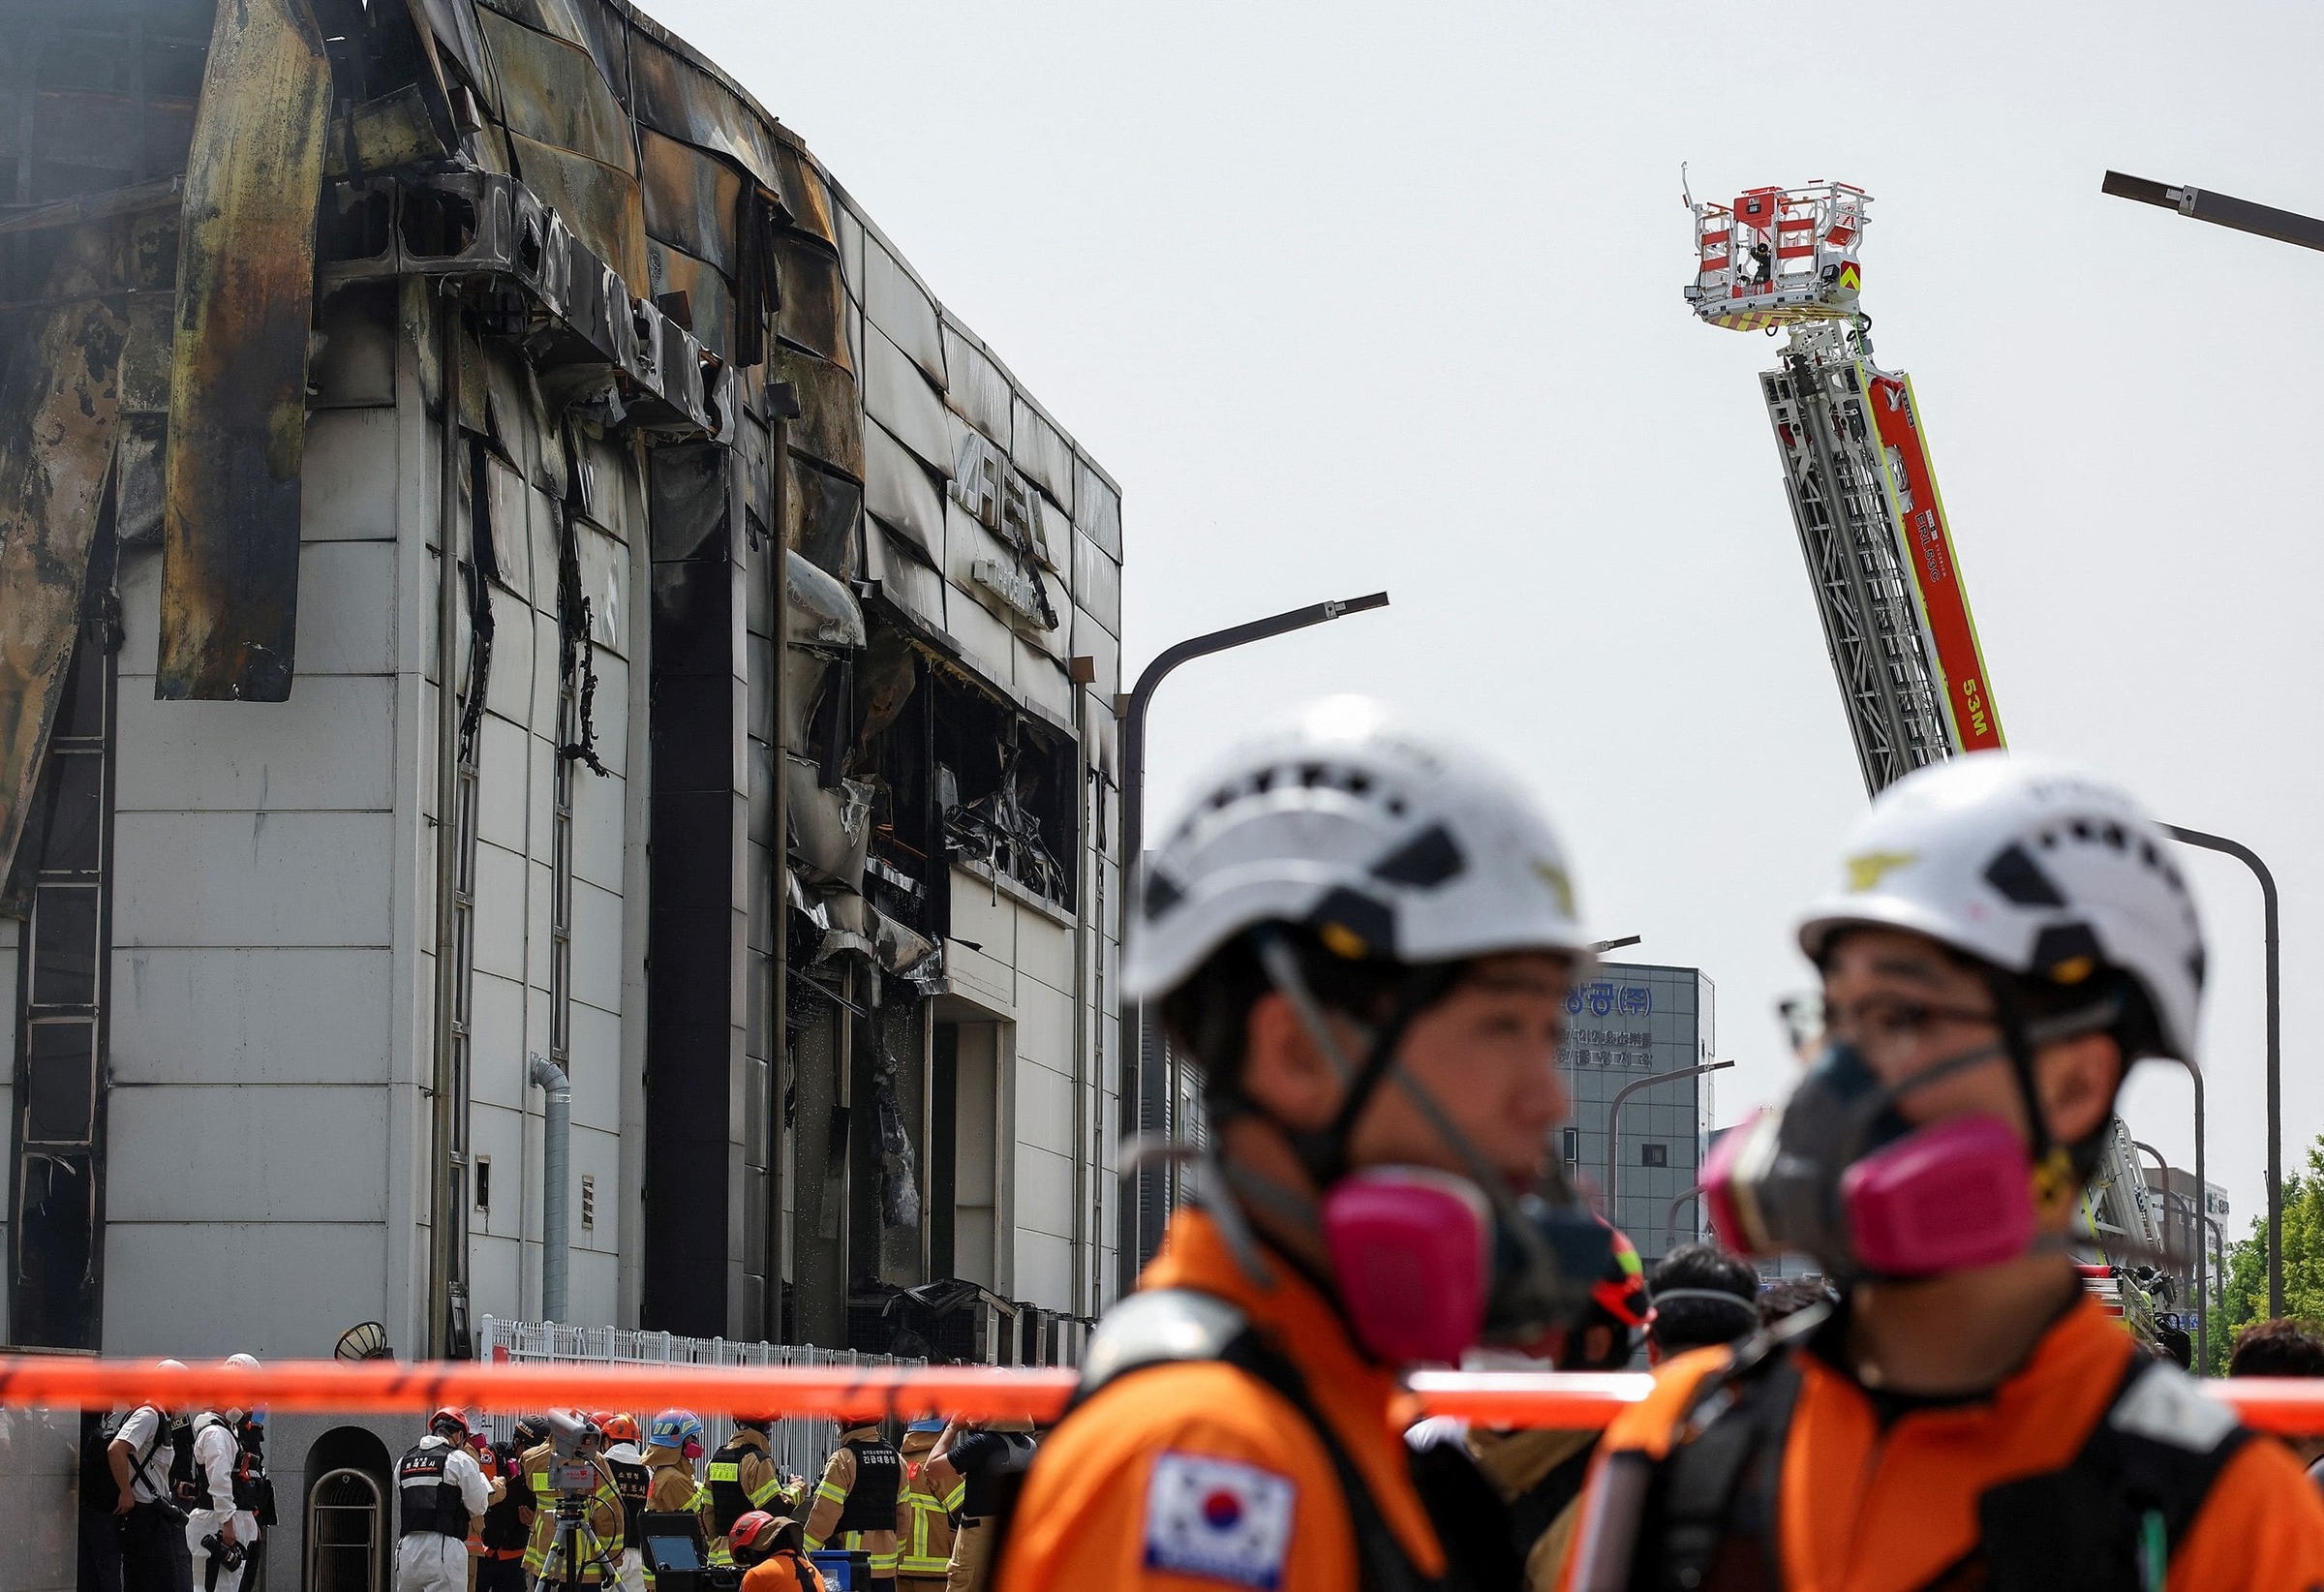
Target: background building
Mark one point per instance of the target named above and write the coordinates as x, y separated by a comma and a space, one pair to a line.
1625, 1026
773, 809
2186, 1224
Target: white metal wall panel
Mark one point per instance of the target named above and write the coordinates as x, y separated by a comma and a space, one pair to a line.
346, 482
1097, 505
231, 878
1044, 1105
1040, 449
499, 912
290, 1015
976, 386
161, 1293
898, 490
1042, 683
901, 307
290, 1152
898, 395
346, 608
597, 946
1096, 583
332, 746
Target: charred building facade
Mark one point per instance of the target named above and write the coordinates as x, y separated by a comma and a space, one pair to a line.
353, 350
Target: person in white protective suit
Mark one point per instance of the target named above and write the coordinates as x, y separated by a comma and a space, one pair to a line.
439, 1490
217, 1515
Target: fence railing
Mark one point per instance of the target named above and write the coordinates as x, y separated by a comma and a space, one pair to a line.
798, 1446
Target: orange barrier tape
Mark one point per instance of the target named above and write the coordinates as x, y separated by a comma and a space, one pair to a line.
1505, 1399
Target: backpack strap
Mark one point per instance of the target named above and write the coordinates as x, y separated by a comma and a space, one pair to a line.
1713, 1509
2114, 1513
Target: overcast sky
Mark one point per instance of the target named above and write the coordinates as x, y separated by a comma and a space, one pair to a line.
1367, 295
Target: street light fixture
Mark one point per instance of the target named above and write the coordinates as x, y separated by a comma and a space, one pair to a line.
2306, 232
1614, 1124
1130, 709
2275, 1001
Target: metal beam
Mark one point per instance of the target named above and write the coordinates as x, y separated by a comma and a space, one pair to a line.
2220, 210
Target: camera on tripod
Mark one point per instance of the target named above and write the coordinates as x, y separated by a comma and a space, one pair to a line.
572, 1445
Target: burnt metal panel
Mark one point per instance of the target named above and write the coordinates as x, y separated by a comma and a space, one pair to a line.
805, 196
552, 92
453, 27
692, 200
684, 101
709, 309
599, 204
821, 509
60, 412
813, 306
239, 371
830, 427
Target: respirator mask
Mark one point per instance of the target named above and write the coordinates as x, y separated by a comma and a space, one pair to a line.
1840, 1174
1427, 1263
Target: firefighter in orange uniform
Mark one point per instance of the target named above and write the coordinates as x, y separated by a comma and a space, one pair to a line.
2010, 934
1367, 943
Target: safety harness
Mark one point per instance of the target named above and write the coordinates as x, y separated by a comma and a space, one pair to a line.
1179, 1325
2110, 1517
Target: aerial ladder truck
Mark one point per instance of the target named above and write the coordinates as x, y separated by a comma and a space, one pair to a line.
1879, 553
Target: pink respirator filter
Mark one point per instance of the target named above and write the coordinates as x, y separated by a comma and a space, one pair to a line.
1408, 1249
1944, 1198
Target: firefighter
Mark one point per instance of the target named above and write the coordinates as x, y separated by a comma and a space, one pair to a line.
741, 1478
770, 1546
856, 1500
1538, 1471
439, 1490
673, 1443
924, 1507
596, 1539
632, 1483
2009, 935
1365, 941
508, 1517
983, 1462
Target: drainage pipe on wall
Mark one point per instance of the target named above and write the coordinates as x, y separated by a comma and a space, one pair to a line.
556, 1145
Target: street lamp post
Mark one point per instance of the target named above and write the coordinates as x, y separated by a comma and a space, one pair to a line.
1613, 1126
2274, 1000
1135, 1249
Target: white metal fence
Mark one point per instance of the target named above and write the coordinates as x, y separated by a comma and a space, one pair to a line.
798, 1446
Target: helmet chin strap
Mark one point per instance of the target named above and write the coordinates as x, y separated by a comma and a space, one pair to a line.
1282, 969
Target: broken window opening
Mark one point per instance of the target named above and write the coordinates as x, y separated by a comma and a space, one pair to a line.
1005, 790
576, 650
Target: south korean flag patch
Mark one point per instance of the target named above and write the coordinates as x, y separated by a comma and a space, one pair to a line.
1218, 1519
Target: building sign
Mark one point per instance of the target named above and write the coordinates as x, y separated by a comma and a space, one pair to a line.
1608, 1027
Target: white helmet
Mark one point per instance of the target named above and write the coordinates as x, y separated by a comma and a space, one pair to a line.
2030, 865
165, 1366
243, 1362
1385, 845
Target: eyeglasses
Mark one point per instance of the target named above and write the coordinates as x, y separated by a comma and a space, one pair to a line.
1884, 1026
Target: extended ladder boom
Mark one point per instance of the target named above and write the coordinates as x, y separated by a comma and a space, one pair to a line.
1856, 473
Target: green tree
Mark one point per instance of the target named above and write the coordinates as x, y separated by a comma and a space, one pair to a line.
2246, 1280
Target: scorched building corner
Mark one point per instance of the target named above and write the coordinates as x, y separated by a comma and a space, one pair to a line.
772, 815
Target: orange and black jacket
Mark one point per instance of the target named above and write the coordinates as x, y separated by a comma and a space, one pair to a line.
2088, 1466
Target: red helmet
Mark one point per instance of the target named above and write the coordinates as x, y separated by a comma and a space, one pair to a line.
757, 1534
449, 1421
617, 1426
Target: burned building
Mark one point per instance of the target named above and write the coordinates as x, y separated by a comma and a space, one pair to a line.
348, 350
